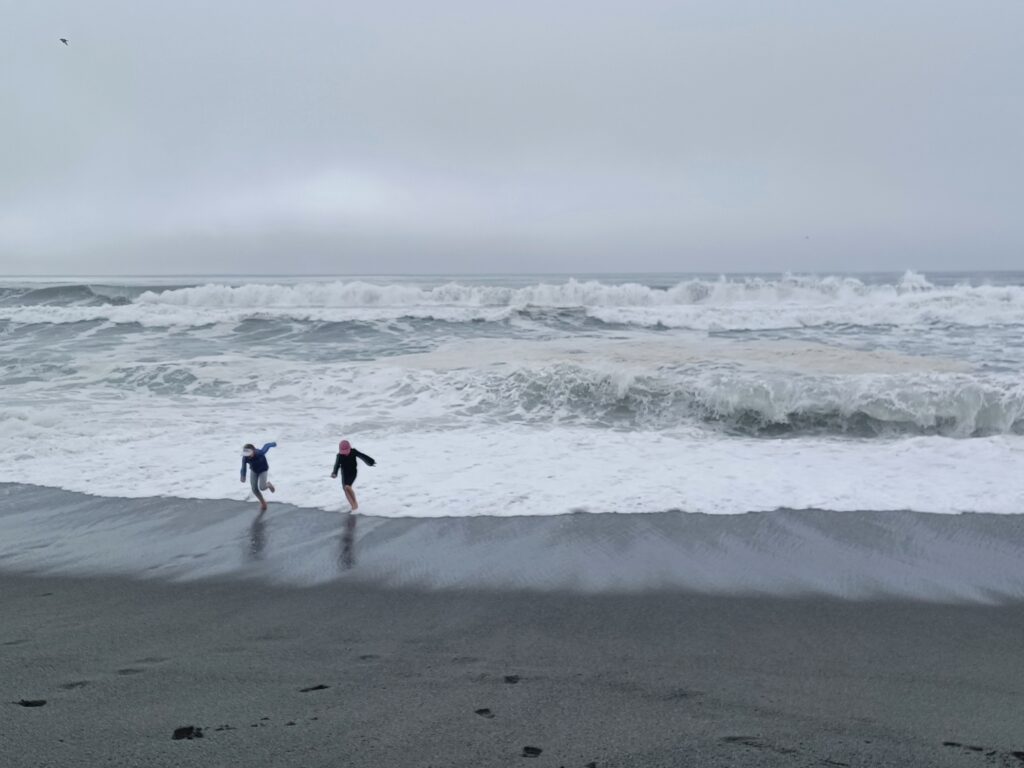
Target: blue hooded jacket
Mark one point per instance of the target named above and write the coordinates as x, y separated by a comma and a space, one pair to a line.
258, 461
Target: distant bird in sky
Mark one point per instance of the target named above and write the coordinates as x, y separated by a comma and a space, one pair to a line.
64, 40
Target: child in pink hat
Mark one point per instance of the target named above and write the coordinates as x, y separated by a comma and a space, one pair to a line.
346, 462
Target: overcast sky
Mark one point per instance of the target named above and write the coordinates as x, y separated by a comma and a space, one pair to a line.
325, 136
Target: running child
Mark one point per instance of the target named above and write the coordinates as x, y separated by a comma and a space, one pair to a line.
346, 462
256, 460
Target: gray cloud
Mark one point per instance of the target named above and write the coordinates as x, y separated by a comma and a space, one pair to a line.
400, 136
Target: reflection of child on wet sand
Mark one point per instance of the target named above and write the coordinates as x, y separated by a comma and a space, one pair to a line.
346, 462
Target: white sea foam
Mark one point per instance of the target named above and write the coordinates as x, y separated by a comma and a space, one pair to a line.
185, 451
526, 440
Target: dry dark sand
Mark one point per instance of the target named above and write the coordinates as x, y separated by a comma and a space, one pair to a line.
605, 680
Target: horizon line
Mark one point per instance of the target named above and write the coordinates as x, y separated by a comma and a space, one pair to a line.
508, 274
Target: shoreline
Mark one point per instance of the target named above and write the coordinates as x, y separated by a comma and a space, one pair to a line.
858, 556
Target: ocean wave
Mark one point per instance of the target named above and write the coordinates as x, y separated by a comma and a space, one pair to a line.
173, 316
576, 293
703, 397
955, 405
700, 304
73, 295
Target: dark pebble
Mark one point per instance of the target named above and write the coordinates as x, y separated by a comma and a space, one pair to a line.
187, 732
484, 712
532, 751
511, 679
320, 687
32, 702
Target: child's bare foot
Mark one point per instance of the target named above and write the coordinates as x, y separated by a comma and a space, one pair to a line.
263, 506
270, 487
355, 505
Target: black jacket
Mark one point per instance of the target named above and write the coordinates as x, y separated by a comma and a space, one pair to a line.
347, 464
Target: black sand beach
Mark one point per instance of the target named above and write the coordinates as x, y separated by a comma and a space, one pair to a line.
856, 555
475, 678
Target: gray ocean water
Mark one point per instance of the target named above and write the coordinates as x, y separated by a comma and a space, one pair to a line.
495, 378
873, 401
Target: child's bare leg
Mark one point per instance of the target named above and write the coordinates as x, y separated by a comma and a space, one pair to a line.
351, 496
263, 502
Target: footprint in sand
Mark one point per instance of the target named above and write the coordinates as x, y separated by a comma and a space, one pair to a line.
757, 743
150, 660
990, 753
74, 684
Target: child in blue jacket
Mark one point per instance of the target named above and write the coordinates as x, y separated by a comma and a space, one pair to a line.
256, 460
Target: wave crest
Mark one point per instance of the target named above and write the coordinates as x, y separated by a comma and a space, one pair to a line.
571, 293
954, 405
725, 304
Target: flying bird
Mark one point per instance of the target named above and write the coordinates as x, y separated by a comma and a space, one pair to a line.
64, 40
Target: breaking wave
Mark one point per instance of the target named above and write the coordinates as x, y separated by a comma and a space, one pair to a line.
575, 293
733, 401
953, 405
722, 304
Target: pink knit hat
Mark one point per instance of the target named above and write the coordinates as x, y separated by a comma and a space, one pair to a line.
345, 447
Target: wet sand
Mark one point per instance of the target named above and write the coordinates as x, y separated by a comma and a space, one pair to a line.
965, 558
472, 678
